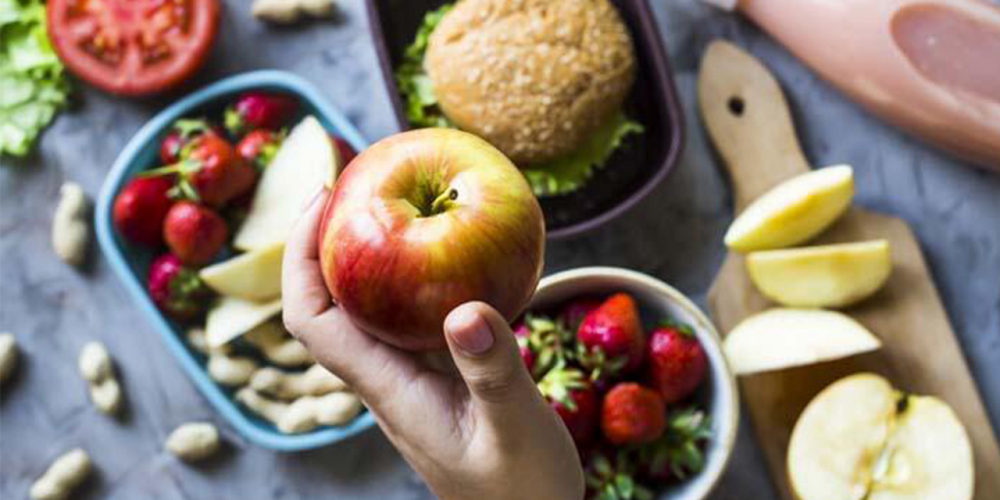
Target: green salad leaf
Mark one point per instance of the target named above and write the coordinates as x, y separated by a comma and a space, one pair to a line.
570, 172
33, 85
421, 105
560, 176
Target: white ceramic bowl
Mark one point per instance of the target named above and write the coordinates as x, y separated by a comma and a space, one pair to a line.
657, 300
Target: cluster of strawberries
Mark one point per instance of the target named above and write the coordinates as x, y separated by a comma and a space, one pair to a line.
624, 395
203, 189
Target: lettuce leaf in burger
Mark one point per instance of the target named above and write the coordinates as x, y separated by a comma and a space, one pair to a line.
542, 80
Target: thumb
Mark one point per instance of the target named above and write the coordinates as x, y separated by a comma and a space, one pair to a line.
486, 354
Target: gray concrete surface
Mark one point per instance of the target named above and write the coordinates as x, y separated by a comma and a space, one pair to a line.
675, 234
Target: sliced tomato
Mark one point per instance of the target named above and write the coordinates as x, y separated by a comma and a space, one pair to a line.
133, 47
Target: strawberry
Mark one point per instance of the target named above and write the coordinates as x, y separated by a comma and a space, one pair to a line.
181, 133
574, 312
344, 150
171, 146
140, 208
257, 109
679, 453
632, 414
194, 233
677, 362
611, 340
176, 289
522, 334
219, 174
612, 478
575, 400
210, 171
259, 147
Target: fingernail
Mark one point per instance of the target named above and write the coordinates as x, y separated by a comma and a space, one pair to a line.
470, 331
312, 198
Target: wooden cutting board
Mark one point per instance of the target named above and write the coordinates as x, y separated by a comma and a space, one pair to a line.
748, 120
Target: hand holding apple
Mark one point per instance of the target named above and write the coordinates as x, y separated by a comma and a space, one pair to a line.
422, 222
489, 397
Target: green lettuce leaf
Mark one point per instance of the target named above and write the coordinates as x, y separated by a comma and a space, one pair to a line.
33, 85
569, 173
560, 176
421, 105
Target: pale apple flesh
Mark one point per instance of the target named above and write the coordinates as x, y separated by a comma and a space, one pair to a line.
839, 437
821, 276
928, 456
422, 222
861, 439
306, 160
794, 211
783, 338
231, 317
255, 275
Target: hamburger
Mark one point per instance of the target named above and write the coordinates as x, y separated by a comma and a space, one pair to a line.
542, 80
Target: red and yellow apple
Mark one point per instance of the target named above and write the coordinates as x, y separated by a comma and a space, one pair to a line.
422, 222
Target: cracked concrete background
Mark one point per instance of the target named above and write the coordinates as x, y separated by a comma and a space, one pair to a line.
675, 234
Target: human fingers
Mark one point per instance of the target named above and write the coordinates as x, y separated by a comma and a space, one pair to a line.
304, 294
486, 354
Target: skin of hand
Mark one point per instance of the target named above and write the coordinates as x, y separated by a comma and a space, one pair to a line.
474, 426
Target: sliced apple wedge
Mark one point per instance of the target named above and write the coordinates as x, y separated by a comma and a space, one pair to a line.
306, 160
231, 317
794, 211
254, 275
861, 439
783, 338
821, 276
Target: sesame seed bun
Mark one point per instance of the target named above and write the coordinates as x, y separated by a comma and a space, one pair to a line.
533, 77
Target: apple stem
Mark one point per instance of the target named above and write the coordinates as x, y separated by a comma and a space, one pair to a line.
440, 204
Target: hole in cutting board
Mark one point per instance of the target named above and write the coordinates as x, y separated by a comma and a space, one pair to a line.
736, 105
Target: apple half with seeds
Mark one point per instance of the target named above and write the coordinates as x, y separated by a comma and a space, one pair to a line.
861, 439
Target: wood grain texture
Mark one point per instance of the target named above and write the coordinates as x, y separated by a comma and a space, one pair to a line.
920, 352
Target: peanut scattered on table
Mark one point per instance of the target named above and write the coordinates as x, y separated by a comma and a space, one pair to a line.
97, 369
193, 441
8, 355
290, 11
70, 225
63, 476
